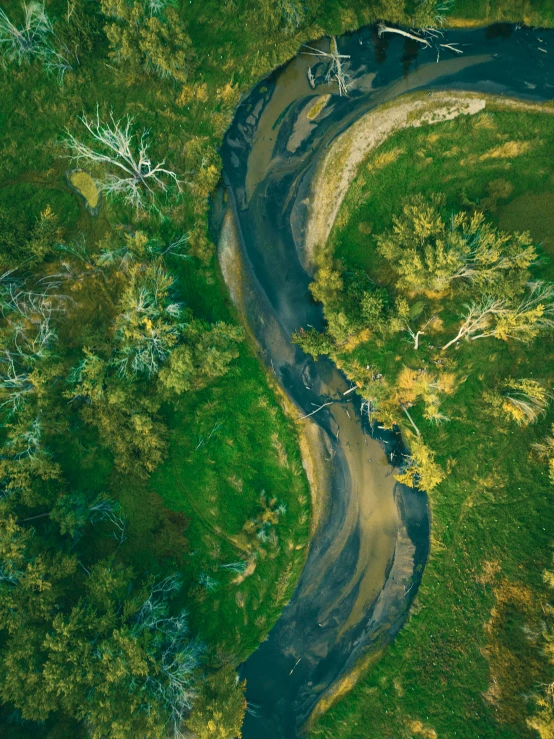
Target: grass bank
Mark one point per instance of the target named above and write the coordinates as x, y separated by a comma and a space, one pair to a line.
482, 12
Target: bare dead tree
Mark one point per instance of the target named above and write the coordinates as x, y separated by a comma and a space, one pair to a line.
416, 334
335, 71
29, 40
478, 318
495, 317
35, 39
383, 28
105, 509
128, 170
28, 335
410, 419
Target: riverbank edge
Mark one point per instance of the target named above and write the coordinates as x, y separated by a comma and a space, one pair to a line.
310, 440
328, 186
339, 167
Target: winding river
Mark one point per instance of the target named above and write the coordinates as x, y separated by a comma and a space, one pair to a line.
370, 535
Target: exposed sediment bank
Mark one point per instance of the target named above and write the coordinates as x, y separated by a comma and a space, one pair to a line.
338, 168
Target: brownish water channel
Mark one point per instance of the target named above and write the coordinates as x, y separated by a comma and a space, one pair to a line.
371, 542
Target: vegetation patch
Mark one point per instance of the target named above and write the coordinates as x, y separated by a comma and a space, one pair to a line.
84, 184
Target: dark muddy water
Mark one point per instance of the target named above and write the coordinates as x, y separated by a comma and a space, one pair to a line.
371, 543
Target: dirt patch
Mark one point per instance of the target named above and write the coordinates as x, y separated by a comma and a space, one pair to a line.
85, 186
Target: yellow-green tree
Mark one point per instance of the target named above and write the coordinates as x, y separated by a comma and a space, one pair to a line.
146, 43
429, 251
220, 707
522, 401
420, 469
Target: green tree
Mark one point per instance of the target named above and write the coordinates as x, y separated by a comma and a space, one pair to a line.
125, 416
149, 324
26, 242
314, 342
429, 252
219, 710
144, 43
204, 355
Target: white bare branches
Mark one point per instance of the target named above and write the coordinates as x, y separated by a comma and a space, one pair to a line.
128, 170
520, 321
383, 28
420, 332
28, 442
27, 335
529, 407
105, 509
336, 70
176, 654
478, 318
424, 34
29, 40
35, 39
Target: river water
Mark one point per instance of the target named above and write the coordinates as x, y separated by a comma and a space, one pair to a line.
371, 538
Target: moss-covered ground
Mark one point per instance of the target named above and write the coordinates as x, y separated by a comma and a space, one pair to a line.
468, 660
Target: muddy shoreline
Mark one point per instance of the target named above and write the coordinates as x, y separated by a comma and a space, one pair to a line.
370, 536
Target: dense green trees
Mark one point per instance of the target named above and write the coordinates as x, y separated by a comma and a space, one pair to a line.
86, 638
441, 273
148, 38
428, 251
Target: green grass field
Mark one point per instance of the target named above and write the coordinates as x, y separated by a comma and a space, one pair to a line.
533, 12
468, 659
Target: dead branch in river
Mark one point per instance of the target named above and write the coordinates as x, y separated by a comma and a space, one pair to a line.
383, 28
335, 71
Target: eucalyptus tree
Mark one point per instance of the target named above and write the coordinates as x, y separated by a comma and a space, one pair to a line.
430, 252
522, 319
123, 160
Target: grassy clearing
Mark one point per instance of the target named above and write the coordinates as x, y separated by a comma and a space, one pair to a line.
532, 12
469, 657
237, 447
